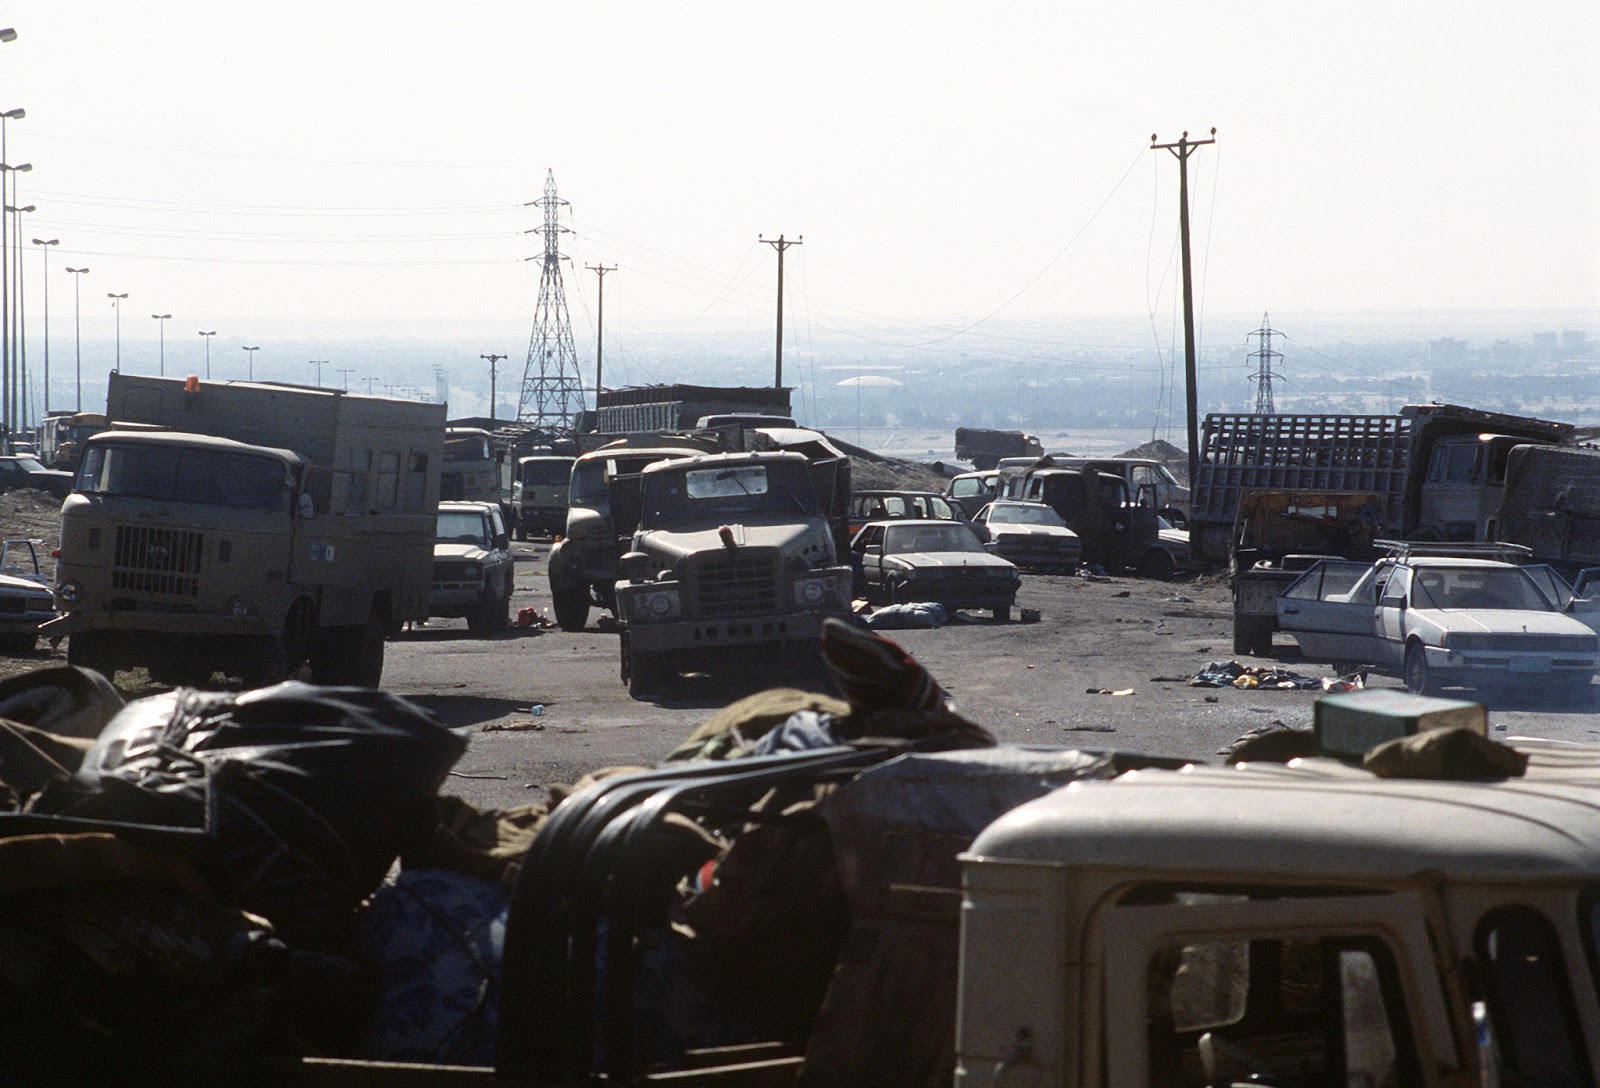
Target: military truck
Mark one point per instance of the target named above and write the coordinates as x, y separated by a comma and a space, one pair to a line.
1118, 530
582, 567
539, 494
1278, 534
1551, 505
734, 554
984, 446
267, 525
473, 471
1441, 468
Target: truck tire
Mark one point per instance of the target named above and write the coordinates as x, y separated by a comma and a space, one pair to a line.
571, 602
367, 661
270, 664
350, 656
644, 672
92, 650
492, 615
1002, 613
1157, 563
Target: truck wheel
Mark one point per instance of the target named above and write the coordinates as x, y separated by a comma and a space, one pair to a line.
270, 666
1249, 636
647, 673
519, 532
571, 603
1003, 613
1241, 638
367, 660
1419, 679
1261, 646
92, 650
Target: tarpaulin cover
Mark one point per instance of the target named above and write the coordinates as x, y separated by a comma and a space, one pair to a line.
307, 794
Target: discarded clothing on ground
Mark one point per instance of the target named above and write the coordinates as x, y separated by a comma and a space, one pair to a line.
1231, 674
893, 617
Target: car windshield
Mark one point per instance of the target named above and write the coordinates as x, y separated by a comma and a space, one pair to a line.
29, 464
1478, 587
1025, 515
460, 527
954, 537
207, 477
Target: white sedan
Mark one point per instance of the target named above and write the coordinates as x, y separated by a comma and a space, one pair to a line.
1436, 621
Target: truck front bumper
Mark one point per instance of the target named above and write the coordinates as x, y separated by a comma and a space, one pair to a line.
158, 623
709, 636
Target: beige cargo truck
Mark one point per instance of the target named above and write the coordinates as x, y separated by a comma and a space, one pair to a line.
247, 528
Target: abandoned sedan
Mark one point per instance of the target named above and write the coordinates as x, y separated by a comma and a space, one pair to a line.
25, 597
1436, 621
1029, 534
898, 562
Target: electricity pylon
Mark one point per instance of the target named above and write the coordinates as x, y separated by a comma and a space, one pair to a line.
552, 392
1263, 355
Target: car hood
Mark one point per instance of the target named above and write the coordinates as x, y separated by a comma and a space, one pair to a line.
14, 584
460, 551
1060, 532
953, 560
1506, 620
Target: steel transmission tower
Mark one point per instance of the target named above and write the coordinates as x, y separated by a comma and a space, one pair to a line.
552, 391
1263, 355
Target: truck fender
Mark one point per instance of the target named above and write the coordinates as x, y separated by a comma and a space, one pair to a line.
559, 564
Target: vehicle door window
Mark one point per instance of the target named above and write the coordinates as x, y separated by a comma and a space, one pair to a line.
1394, 588
1529, 1000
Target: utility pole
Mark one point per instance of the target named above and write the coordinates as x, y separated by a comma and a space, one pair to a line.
318, 364
780, 245
344, 382
1263, 376
1181, 151
493, 359
600, 270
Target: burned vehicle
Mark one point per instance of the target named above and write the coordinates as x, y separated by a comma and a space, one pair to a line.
1029, 534
26, 600
733, 554
583, 560
1442, 620
900, 562
881, 505
473, 570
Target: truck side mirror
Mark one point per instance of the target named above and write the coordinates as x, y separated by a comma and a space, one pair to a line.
502, 541
308, 505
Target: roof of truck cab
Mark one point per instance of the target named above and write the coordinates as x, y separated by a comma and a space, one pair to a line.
187, 438
1316, 819
701, 460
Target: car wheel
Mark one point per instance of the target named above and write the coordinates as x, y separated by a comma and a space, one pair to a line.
1003, 613
1157, 563
1419, 678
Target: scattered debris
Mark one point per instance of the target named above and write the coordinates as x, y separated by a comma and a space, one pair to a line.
1225, 674
1108, 691
513, 727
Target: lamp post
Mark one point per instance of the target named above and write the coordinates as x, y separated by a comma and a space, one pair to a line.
208, 336
19, 380
116, 304
8, 377
252, 351
318, 364
161, 323
45, 244
77, 330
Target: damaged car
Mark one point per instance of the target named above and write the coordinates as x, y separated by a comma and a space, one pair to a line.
1029, 534
1437, 621
906, 561
25, 597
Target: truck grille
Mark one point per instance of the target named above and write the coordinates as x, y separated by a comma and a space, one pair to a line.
738, 583
155, 560
451, 570
1530, 643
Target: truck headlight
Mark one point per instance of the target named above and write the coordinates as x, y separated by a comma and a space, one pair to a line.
811, 592
658, 604
471, 571
70, 592
242, 607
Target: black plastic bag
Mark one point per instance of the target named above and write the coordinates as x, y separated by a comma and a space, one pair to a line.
307, 794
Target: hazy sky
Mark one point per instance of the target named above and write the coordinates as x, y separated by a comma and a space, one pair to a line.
347, 169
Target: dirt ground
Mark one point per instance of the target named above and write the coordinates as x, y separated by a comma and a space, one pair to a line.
1106, 665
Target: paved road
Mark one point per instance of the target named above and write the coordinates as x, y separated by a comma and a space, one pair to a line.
1027, 683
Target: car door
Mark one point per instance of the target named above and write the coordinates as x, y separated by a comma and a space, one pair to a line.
1331, 611
866, 560
1394, 601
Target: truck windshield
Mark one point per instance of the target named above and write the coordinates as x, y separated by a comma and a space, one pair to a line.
726, 490
186, 474
546, 472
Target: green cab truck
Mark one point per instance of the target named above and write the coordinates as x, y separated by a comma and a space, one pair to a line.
248, 528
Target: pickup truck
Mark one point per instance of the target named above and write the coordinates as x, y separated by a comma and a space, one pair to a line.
1445, 620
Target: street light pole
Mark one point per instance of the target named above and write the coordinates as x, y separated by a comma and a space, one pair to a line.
19, 381
116, 304
318, 364
77, 328
7, 378
46, 244
493, 359
251, 376
208, 336
161, 323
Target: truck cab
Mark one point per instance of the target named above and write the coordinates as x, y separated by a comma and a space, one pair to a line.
539, 494
1117, 530
733, 553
